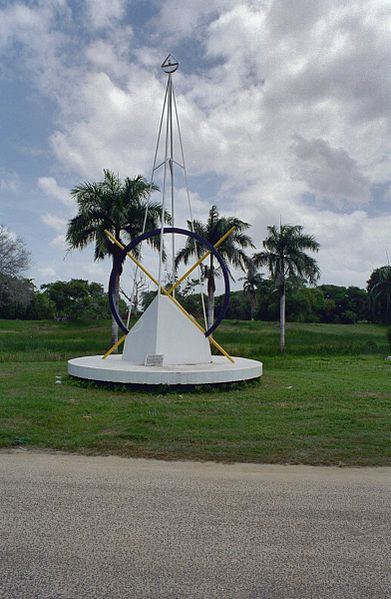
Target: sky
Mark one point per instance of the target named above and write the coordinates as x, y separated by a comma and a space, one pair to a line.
284, 108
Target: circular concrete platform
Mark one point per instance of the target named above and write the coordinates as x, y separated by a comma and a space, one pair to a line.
115, 370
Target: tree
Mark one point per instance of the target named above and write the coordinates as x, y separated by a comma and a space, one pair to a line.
304, 304
41, 308
16, 294
357, 303
285, 257
14, 257
343, 304
252, 280
379, 290
239, 305
77, 299
120, 207
231, 250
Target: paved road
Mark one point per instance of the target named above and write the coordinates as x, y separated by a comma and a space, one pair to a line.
106, 527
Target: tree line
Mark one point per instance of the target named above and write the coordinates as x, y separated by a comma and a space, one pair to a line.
61, 300
79, 299
326, 303
72, 300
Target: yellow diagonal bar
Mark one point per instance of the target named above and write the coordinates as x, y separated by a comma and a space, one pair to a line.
113, 347
181, 308
208, 253
197, 324
141, 267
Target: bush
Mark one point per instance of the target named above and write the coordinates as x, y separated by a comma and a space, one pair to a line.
77, 299
41, 308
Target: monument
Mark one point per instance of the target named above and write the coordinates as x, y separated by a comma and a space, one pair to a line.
167, 345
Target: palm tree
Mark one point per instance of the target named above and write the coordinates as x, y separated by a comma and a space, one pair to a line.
232, 250
379, 290
120, 207
252, 280
285, 258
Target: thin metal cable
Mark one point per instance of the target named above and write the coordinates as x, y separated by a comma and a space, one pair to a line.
190, 208
172, 183
163, 207
136, 271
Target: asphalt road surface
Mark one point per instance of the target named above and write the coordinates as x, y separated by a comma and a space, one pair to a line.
108, 527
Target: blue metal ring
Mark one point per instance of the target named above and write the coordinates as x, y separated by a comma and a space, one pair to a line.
148, 235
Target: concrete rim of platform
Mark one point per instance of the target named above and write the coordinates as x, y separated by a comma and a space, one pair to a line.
115, 370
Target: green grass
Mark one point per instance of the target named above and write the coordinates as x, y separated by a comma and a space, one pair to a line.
326, 401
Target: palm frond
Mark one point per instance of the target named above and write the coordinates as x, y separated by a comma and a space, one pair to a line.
114, 205
285, 254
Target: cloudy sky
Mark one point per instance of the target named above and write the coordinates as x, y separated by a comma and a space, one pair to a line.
284, 107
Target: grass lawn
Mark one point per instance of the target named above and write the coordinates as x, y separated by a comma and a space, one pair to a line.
327, 401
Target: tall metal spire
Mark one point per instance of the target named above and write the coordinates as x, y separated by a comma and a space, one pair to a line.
169, 132
169, 66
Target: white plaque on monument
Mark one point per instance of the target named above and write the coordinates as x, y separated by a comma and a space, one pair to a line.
154, 360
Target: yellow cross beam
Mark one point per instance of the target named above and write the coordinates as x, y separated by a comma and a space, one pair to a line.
167, 293
113, 347
208, 253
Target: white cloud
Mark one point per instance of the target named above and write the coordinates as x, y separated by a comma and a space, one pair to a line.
31, 42
351, 244
59, 225
48, 273
178, 19
329, 172
110, 54
102, 14
59, 242
54, 222
103, 57
199, 207
290, 98
51, 188
9, 181
115, 127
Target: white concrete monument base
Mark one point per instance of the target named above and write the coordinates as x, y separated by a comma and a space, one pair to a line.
116, 370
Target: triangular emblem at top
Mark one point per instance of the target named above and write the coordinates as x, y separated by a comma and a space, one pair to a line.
170, 64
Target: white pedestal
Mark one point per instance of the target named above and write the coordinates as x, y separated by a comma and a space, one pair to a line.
116, 370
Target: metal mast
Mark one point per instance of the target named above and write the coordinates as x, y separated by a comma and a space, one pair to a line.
168, 119
169, 66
